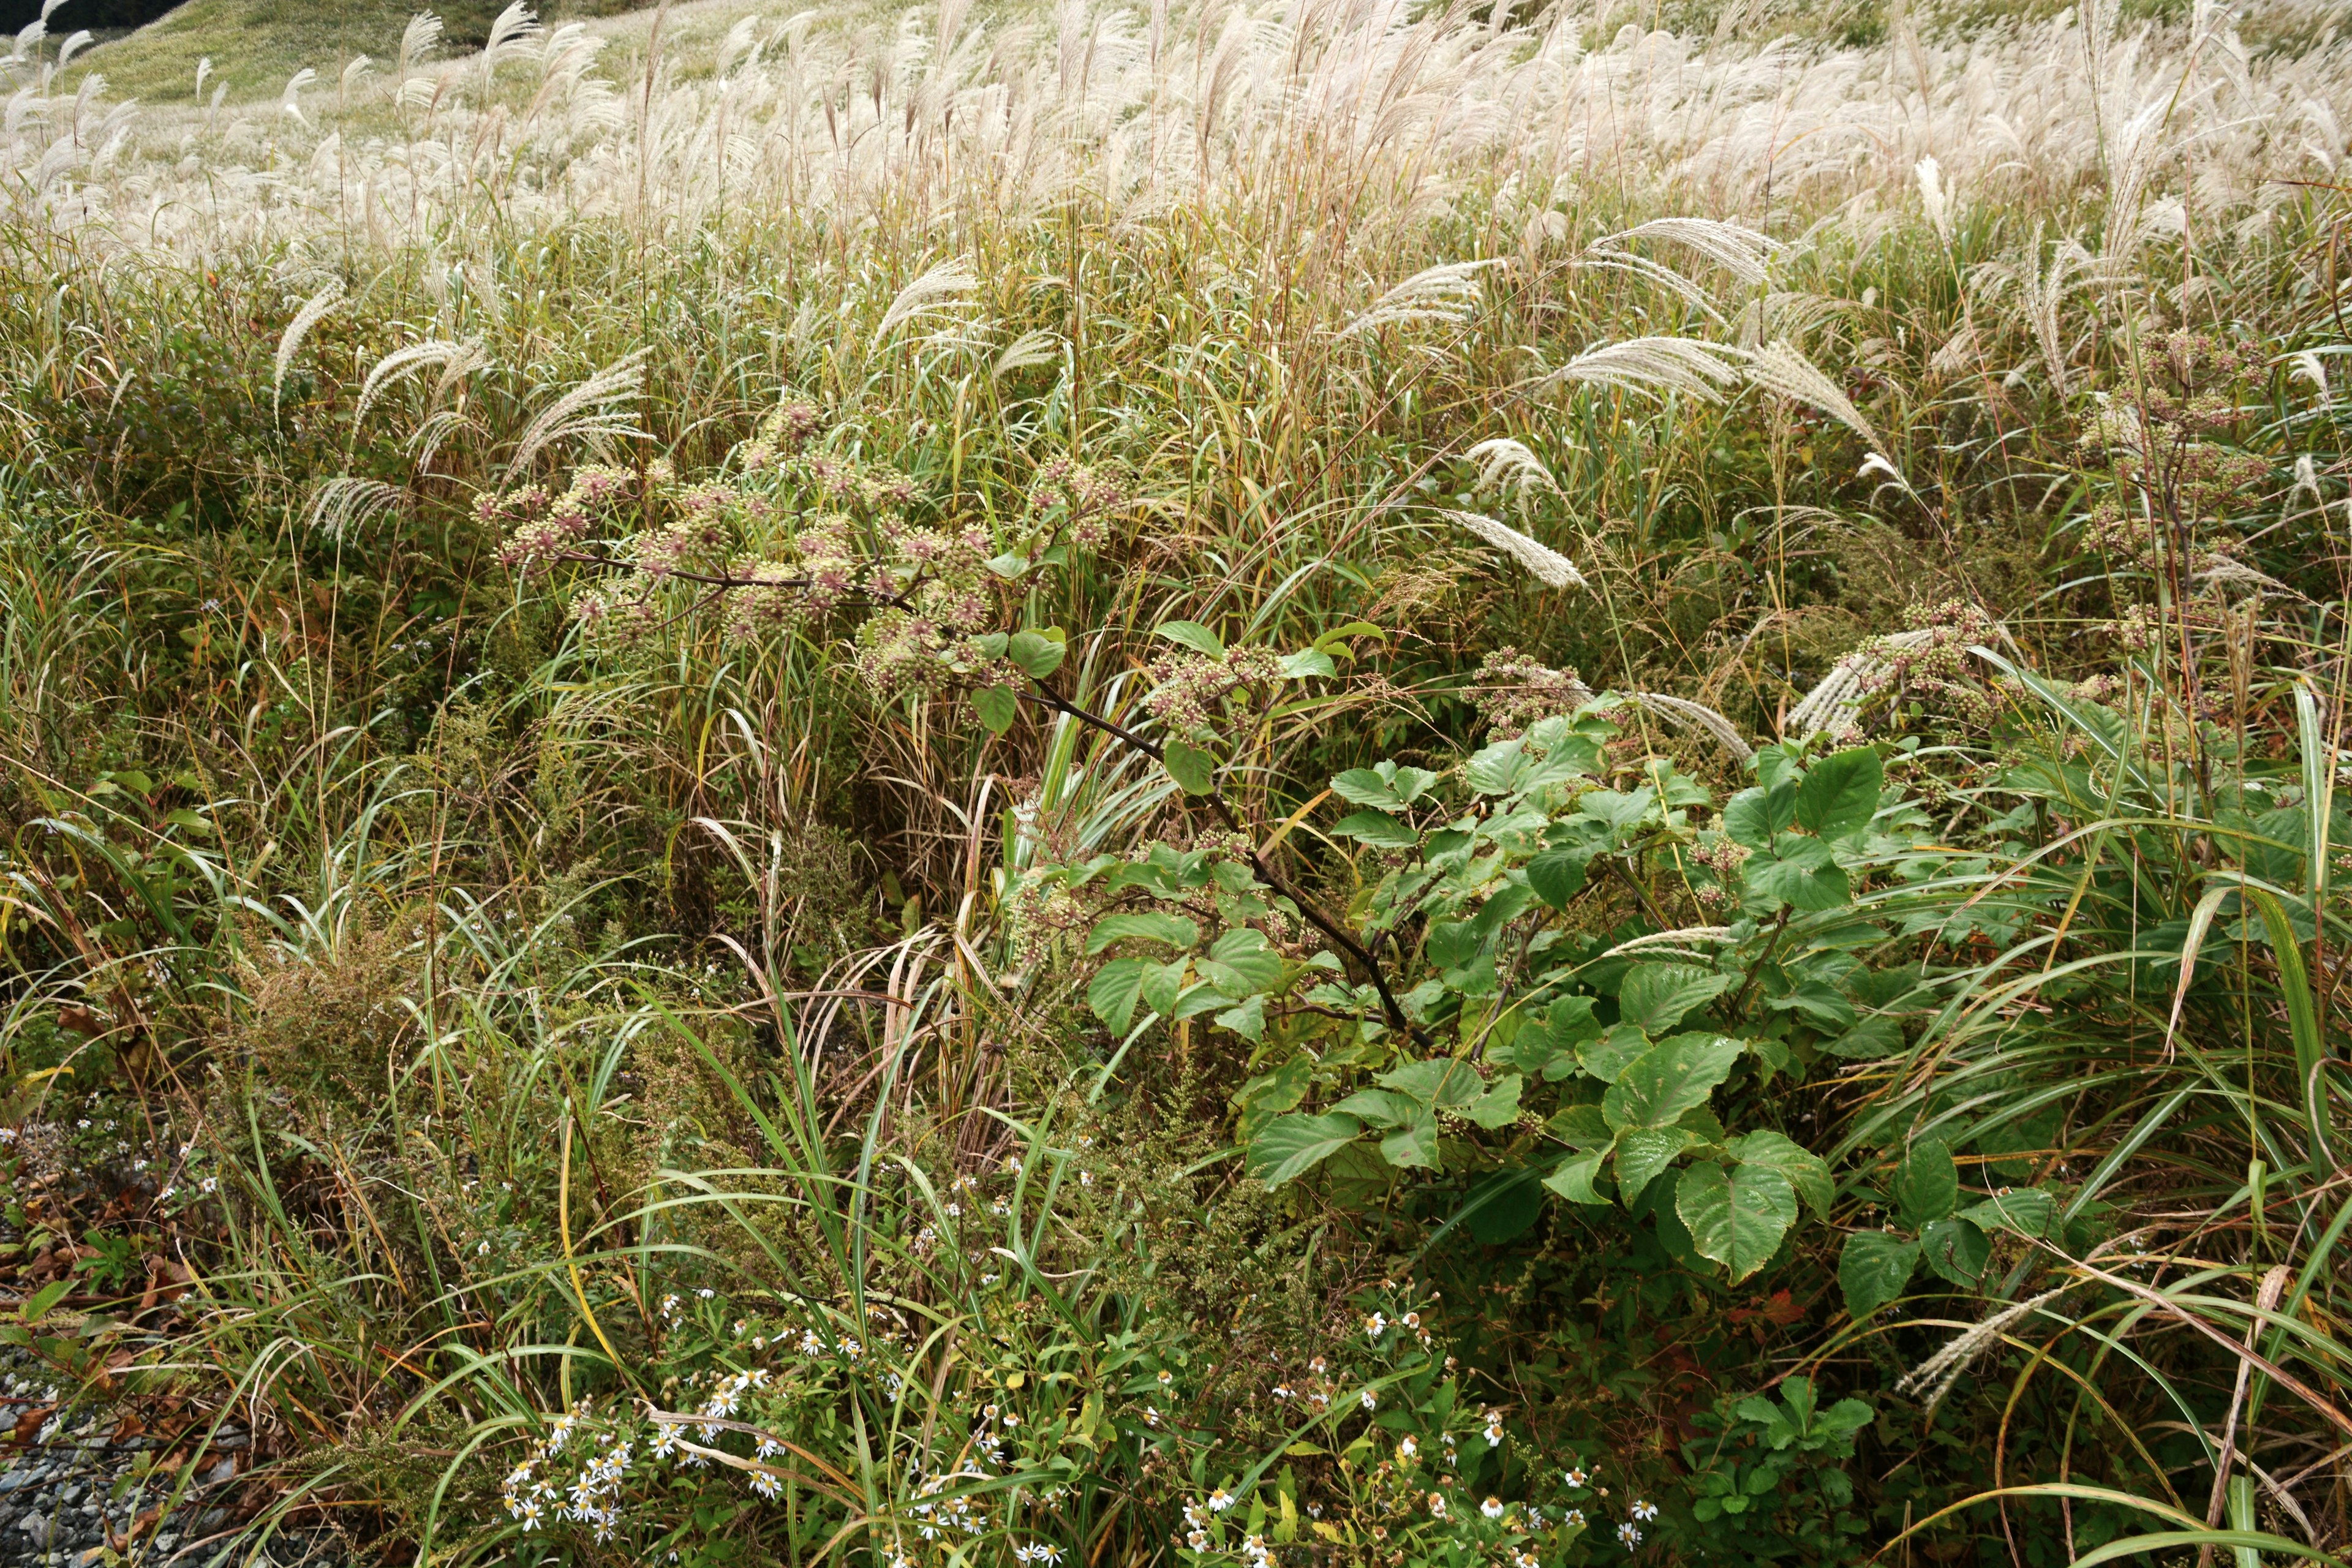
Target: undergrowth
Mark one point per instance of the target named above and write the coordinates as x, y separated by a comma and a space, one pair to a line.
1344, 785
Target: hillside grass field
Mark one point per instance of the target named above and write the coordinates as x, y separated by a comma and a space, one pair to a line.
1209, 785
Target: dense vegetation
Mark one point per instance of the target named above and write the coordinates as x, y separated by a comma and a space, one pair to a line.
1337, 784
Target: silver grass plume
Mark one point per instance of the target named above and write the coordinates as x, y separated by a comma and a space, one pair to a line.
1779, 367
586, 412
1544, 563
1438, 295
289, 101
936, 292
1676, 941
1739, 250
455, 359
1936, 198
418, 40
1656, 366
1507, 466
1689, 715
345, 504
1033, 347
1839, 695
314, 310
1940, 1372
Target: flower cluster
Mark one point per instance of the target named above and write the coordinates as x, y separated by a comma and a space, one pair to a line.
1083, 498
1188, 689
598, 1461
1514, 691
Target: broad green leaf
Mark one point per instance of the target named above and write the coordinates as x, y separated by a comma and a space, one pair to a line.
1337, 635
1241, 961
1572, 1179
1192, 634
1654, 997
1956, 1250
1248, 1020
1606, 1057
1279, 1090
1755, 817
1642, 1153
1558, 875
1377, 828
1194, 770
1452, 943
1162, 985
1289, 1146
1114, 991
1928, 1185
1619, 811
1038, 655
1670, 1078
1806, 1172
1441, 1083
1385, 785
1582, 1127
1873, 1268
2020, 1211
1799, 872
1412, 1146
1505, 907
1148, 925
1307, 661
1736, 1217
1379, 1106
996, 706
1495, 769
1546, 1043
1820, 1003
1499, 1106
1839, 795
1197, 999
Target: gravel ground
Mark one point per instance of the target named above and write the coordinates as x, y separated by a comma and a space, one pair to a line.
68, 1495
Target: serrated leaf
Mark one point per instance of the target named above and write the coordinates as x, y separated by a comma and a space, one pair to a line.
1194, 770
1363, 786
1499, 1106
1379, 1106
1148, 925
996, 706
1874, 1270
1956, 1250
1558, 875
1654, 997
1928, 1185
1412, 1146
1010, 565
1248, 1020
2020, 1211
1756, 816
1798, 872
1192, 634
1377, 828
1606, 1057
1642, 1153
1839, 795
1038, 655
1163, 986
1495, 769
1288, 1146
1807, 1172
1736, 1217
1441, 1083
1821, 1003
1572, 1179
1670, 1078
1241, 961
1114, 992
